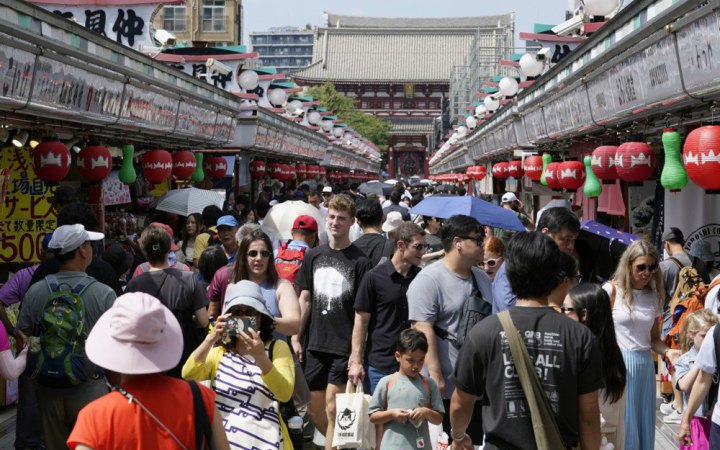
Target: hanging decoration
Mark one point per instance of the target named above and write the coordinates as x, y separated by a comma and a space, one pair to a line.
552, 176
257, 169
94, 162
571, 175
183, 164
51, 161
274, 170
515, 169
635, 162
477, 173
199, 174
301, 171
603, 163
322, 173
592, 188
673, 176
312, 172
701, 156
500, 170
127, 173
533, 167
546, 159
156, 165
217, 167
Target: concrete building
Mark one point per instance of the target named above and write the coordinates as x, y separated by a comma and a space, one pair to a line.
203, 23
285, 48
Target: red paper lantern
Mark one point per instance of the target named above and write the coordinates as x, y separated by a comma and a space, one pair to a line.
533, 167
301, 171
515, 169
312, 172
552, 176
603, 163
500, 170
51, 161
322, 173
635, 162
257, 169
94, 162
274, 170
462, 178
701, 156
183, 164
571, 175
217, 167
288, 172
156, 165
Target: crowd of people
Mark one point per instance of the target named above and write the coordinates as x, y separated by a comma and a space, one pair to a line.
225, 336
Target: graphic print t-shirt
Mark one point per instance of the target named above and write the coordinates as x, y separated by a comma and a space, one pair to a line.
567, 362
332, 276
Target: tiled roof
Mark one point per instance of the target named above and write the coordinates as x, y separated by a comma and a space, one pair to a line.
339, 21
412, 126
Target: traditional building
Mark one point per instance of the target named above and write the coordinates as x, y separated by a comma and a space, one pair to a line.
399, 69
285, 48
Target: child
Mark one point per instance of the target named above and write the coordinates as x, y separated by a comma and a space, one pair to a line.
695, 328
405, 401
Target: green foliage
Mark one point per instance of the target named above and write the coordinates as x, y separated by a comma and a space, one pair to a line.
372, 128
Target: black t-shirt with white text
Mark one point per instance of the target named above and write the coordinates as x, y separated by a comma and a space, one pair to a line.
332, 277
567, 362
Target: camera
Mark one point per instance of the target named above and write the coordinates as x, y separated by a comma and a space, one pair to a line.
235, 325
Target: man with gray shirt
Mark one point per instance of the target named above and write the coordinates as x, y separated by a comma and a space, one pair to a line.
436, 299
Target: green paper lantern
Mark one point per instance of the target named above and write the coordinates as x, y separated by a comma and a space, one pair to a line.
127, 173
546, 159
592, 187
199, 174
674, 176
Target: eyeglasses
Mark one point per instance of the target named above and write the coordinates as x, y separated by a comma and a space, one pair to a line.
326, 194
420, 247
492, 262
646, 267
478, 239
263, 253
567, 309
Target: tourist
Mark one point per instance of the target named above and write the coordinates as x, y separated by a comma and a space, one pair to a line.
209, 237
140, 339
589, 304
249, 385
636, 293
510, 201
171, 258
395, 198
493, 256
178, 290
193, 227
211, 261
120, 260
571, 371
569, 277
369, 215
432, 226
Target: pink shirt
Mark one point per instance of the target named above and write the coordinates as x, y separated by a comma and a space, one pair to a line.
4, 340
218, 285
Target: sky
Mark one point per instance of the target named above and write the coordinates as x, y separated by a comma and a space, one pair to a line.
260, 15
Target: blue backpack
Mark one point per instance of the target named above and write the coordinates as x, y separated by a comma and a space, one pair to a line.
60, 361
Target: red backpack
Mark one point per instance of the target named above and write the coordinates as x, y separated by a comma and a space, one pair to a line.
288, 262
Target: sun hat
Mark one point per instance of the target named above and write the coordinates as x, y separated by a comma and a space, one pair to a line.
702, 251
67, 238
138, 335
508, 197
393, 220
305, 223
169, 231
227, 221
245, 293
673, 234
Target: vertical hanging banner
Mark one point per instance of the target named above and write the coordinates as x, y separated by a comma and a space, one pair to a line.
26, 214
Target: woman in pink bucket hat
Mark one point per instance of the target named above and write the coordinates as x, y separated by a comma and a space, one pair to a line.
139, 338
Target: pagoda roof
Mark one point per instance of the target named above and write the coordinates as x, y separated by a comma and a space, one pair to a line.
410, 126
379, 50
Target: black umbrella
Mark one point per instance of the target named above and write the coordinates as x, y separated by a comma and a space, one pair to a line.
375, 187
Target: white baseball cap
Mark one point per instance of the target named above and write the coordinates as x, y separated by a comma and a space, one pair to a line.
392, 221
327, 190
70, 237
508, 197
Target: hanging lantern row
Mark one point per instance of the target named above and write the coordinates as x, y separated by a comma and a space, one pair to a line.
477, 173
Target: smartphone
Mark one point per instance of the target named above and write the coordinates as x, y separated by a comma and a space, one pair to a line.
235, 325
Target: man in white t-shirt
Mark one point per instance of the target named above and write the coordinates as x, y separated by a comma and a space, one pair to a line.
707, 364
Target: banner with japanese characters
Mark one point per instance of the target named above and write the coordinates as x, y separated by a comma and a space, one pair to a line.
26, 214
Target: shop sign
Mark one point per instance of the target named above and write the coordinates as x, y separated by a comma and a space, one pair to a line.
507, 136
127, 25
16, 71
699, 49
568, 112
225, 127
708, 233
227, 82
520, 135
148, 109
534, 123
26, 215
75, 91
644, 79
195, 120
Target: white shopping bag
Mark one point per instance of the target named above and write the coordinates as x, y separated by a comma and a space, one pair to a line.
352, 423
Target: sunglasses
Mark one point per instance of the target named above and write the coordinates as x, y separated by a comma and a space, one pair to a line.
478, 239
567, 309
646, 268
491, 262
263, 253
420, 247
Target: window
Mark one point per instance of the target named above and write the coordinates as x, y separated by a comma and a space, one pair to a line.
174, 18
213, 15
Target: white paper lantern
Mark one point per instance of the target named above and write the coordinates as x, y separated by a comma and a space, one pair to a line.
277, 96
508, 87
491, 104
314, 117
480, 110
326, 125
471, 122
338, 132
600, 7
248, 80
296, 105
462, 131
530, 66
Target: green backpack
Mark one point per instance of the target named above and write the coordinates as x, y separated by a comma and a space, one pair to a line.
60, 361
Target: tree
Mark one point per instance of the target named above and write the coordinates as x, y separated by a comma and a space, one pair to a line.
372, 128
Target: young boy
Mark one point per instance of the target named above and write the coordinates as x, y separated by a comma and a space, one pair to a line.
405, 401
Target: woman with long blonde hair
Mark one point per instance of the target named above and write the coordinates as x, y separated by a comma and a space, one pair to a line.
636, 292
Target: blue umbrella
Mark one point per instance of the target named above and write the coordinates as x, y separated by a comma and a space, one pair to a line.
608, 233
486, 213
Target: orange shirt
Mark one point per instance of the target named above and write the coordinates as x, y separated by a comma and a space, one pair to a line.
112, 422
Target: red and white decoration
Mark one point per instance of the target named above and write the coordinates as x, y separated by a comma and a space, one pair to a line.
533, 167
500, 170
216, 167
477, 173
701, 156
257, 169
635, 162
51, 161
515, 169
571, 175
183, 164
94, 162
301, 171
156, 165
312, 172
603, 163
322, 173
552, 176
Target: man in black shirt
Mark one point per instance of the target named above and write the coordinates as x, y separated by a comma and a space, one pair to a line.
567, 360
381, 307
395, 198
328, 282
369, 216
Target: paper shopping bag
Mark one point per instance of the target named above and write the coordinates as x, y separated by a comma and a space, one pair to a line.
351, 419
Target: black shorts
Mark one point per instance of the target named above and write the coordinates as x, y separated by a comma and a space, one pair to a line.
323, 368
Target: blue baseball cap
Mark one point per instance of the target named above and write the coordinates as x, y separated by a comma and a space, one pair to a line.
227, 221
